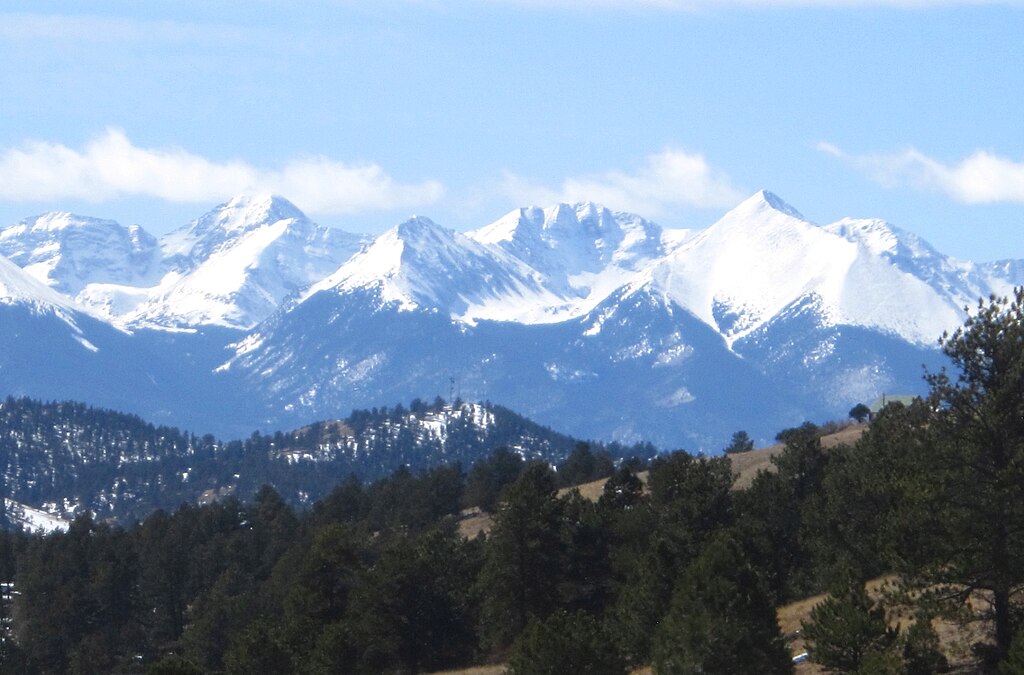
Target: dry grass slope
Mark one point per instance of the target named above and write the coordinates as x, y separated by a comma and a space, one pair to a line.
744, 465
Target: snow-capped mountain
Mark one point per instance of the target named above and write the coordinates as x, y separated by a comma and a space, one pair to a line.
604, 321
580, 253
1004, 272
69, 252
420, 264
235, 265
230, 268
961, 282
597, 322
763, 257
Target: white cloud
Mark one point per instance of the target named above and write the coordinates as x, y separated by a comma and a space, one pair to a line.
111, 166
669, 179
982, 178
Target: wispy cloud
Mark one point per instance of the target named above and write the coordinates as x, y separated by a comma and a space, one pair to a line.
666, 180
982, 178
111, 166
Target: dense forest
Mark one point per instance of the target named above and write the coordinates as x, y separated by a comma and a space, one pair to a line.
684, 573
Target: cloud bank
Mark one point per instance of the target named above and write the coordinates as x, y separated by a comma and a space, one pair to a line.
111, 166
667, 180
982, 178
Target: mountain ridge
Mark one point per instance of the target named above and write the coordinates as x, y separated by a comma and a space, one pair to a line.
572, 313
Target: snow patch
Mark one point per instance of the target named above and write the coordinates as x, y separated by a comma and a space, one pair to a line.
679, 397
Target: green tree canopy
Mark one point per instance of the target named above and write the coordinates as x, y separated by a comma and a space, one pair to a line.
846, 630
860, 412
963, 509
565, 643
722, 620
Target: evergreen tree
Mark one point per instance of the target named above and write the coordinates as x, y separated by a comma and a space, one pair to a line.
489, 477
722, 620
775, 510
1014, 662
860, 412
565, 643
524, 556
963, 505
258, 649
621, 492
741, 442
692, 499
586, 541
922, 654
584, 465
846, 631
412, 611
173, 664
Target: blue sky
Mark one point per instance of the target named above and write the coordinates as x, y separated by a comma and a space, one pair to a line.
363, 113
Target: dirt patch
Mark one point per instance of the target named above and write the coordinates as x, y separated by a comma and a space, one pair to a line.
474, 521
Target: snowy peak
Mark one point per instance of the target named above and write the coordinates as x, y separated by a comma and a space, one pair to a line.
961, 283
58, 221
227, 223
231, 267
579, 253
235, 265
762, 258
419, 232
68, 252
760, 225
17, 287
762, 203
422, 265
583, 237
1009, 273
242, 213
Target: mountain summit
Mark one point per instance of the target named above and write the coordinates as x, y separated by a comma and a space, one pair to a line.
762, 200
226, 224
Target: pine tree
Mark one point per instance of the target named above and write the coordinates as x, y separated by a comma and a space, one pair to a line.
741, 442
524, 556
846, 630
565, 643
722, 620
962, 514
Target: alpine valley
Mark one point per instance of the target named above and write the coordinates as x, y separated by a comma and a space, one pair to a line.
598, 323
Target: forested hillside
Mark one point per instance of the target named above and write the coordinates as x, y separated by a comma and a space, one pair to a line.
69, 457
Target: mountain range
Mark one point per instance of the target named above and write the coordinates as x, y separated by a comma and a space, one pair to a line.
601, 324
